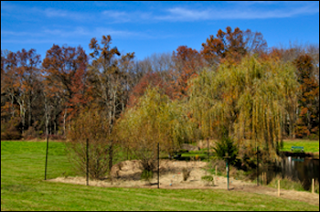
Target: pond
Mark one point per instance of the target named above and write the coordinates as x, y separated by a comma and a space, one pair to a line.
297, 168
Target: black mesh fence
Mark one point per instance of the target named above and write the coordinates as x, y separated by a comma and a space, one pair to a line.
190, 167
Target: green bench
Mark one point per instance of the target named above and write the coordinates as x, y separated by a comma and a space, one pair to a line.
297, 148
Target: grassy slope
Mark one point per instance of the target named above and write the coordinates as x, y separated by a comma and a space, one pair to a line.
309, 145
23, 188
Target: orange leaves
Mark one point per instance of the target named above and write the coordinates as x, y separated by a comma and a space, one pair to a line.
309, 103
188, 62
64, 71
232, 46
303, 112
150, 79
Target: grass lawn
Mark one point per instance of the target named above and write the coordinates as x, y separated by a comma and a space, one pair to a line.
23, 188
309, 145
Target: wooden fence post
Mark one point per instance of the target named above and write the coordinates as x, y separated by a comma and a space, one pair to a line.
278, 188
313, 185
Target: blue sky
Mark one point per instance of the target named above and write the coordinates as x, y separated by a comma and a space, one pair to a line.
152, 27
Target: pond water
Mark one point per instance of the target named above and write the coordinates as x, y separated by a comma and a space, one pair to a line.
301, 169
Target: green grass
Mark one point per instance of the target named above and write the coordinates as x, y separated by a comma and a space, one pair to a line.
309, 145
23, 188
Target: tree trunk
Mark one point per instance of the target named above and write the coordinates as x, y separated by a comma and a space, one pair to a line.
64, 121
29, 114
12, 107
55, 126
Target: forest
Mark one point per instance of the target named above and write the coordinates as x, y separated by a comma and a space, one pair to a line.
234, 85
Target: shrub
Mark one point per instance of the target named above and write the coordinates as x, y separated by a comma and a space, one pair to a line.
185, 173
92, 126
226, 145
10, 130
146, 175
30, 133
208, 178
313, 137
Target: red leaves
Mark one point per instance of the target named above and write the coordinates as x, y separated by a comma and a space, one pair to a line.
188, 62
150, 79
64, 71
80, 90
309, 105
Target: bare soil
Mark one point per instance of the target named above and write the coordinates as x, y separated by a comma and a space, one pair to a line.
127, 174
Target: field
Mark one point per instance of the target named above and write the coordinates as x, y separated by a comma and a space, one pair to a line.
309, 145
23, 188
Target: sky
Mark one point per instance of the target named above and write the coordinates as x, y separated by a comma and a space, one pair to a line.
152, 27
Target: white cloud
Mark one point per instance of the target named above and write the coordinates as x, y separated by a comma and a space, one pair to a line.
233, 10
183, 14
121, 16
56, 13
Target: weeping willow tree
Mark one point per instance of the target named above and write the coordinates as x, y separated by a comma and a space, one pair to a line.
154, 119
251, 100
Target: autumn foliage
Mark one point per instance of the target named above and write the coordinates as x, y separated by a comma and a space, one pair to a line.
308, 121
234, 81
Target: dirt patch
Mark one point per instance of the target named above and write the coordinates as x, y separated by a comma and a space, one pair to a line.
127, 174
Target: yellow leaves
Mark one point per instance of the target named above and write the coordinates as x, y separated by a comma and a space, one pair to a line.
249, 97
155, 118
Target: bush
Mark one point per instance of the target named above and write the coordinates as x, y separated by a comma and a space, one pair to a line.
94, 127
30, 134
10, 130
146, 175
185, 173
207, 178
313, 137
226, 145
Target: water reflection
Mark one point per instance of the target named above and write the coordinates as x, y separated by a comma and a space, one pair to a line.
297, 168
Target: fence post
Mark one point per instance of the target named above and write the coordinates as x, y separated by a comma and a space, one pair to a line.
87, 161
158, 164
313, 185
45, 170
257, 166
278, 188
216, 171
266, 178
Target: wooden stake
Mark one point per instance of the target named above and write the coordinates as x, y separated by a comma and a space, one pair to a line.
278, 188
265, 178
313, 185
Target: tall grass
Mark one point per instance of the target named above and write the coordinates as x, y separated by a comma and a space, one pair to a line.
286, 183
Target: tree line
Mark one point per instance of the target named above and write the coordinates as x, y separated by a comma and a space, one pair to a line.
222, 85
